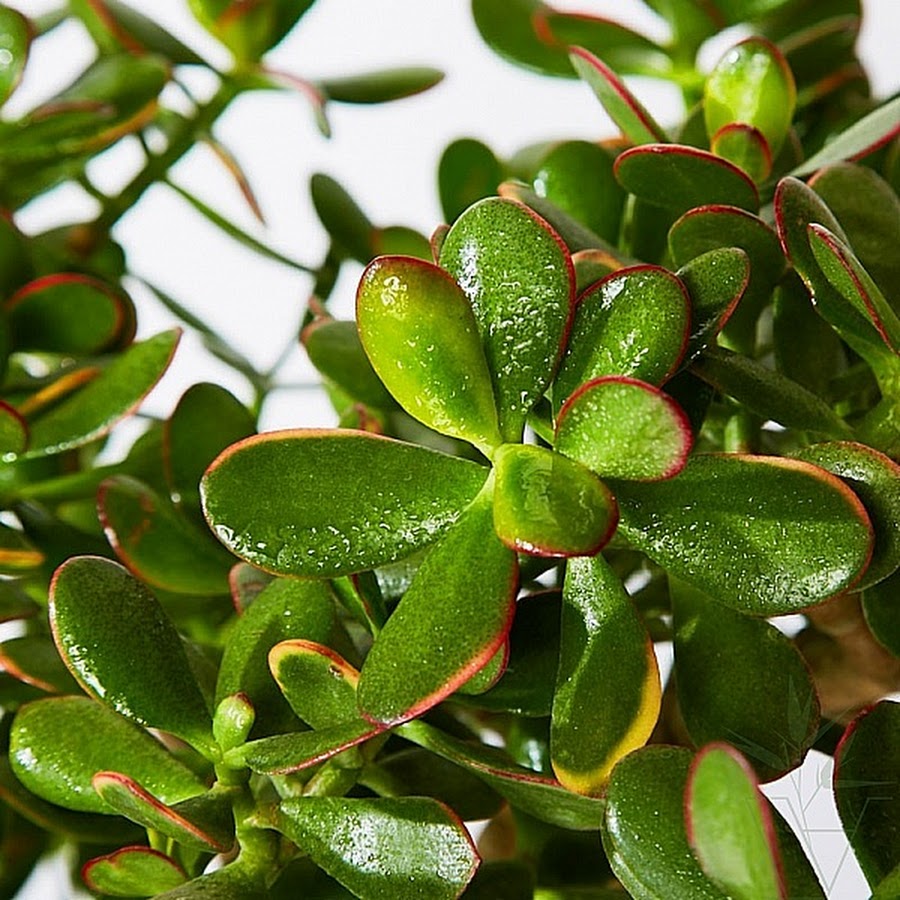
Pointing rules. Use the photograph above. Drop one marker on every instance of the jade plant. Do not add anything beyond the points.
(633, 392)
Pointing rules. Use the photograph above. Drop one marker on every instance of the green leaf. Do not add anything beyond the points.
(422, 338)
(15, 38)
(205, 822)
(159, 544)
(58, 745)
(751, 84)
(643, 829)
(547, 505)
(634, 323)
(13, 432)
(17, 552)
(233, 882)
(875, 130)
(263, 496)
(348, 225)
(538, 795)
(449, 624)
(767, 393)
(518, 277)
(381, 86)
(92, 411)
(632, 119)
(624, 428)
(681, 178)
(889, 888)
(600, 712)
(745, 147)
(882, 612)
(867, 789)
(123, 649)
(467, 172)
(384, 848)
(132, 872)
(763, 535)
(719, 655)
(730, 828)
(319, 683)
(34, 659)
(286, 609)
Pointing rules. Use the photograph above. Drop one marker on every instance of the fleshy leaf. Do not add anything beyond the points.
(186, 823)
(13, 430)
(445, 628)
(681, 178)
(623, 428)
(17, 552)
(381, 86)
(263, 496)
(719, 654)
(468, 171)
(233, 882)
(867, 789)
(422, 338)
(643, 829)
(633, 120)
(763, 535)
(123, 649)
(384, 848)
(634, 322)
(548, 505)
(157, 543)
(600, 712)
(34, 659)
(882, 612)
(744, 147)
(16, 36)
(518, 277)
(730, 828)
(92, 411)
(347, 224)
(132, 872)
(43, 755)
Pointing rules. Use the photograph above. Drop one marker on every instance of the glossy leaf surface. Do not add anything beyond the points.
(133, 872)
(449, 624)
(548, 505)
(92, 411)
(729, 826)
(601, 711)
(719, 655)
(744, 147)
(623, 428)
(518, 277)
(680, 178)
(634, 322)
(16, 36)
(124, 650)
(867, 789)
(262, 498)
(763, 535)
(384, 848)
(232, 882)
(41, 753)
(421, 336)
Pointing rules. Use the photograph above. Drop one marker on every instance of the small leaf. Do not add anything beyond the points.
(623, 428)
(730, 828)
(681, 178)
(867, 789)
(633, 120)
(91, 412)
(763, 535)
(384, 848)
(422, 338)
(381, 86)
(444, 629)
(17, 552)
(262, 497)
(519, 279)
(600, 712)
(34, 659)
(157, 543)
(16, 36)
(547, 505)
(123, 649)
(744, 147)
(633, 323)
(347, 224)
(44, 734)
(468, 171)
(132, 872)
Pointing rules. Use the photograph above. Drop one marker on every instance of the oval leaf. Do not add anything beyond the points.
(132, 872)
(381, 86)
(468, 171)
(16, 36)
(263, 499)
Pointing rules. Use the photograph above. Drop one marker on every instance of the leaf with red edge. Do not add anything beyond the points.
(633, 323)
(452, 620)
(624, 428)
(13, 430)
(730, 828)
(745, 147)
(34, 659)
(518, 276)
(132, 872)
(548, 505)
(680, 178)
(623, 107)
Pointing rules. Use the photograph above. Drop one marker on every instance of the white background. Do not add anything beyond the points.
(386, 156)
